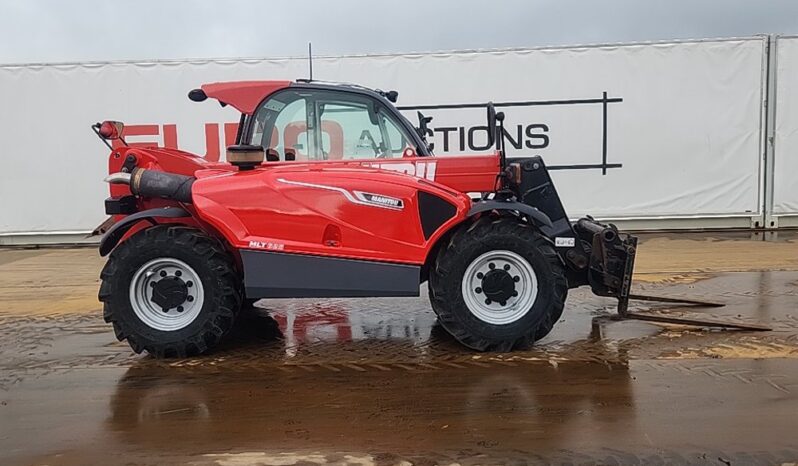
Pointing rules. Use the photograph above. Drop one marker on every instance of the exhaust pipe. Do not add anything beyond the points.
(154, 183)
(118, 178)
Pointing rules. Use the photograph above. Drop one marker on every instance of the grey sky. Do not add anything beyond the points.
(82, 30)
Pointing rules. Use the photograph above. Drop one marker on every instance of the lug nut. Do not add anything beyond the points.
(480, 275)
(179, 308)
(178, 273)
(503, 303)
(478, 290)
(516, 279)
(515, 293)
(506, 266)
(163, 273)
(488, 301)
(491, 266)
(191, 298)
(152, 284)
(189, 284)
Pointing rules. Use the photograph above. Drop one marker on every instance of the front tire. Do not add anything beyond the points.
(497, 285)
(172, 291)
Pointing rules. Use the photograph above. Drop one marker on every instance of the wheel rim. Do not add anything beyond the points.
(499, 287)
(166, 294)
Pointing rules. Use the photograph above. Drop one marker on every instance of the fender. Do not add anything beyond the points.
(116, 232)
(539, 218)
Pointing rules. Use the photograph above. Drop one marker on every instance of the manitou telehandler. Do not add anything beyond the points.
(329, 191)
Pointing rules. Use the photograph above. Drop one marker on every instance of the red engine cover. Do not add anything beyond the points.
(339, 209)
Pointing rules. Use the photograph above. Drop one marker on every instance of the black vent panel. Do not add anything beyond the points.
(434, 212)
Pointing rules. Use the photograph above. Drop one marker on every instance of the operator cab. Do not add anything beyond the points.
(314, 122)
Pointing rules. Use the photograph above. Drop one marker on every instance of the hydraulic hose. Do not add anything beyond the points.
(154, 183)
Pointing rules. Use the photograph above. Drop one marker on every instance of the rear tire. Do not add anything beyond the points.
(172, 291)
(522, 276)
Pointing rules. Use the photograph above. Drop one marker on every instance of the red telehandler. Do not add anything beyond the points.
(330, 192)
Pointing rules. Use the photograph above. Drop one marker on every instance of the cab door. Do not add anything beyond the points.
(327, 125)
(354, 127)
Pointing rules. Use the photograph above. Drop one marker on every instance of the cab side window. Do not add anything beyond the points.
(396, 136)
(349, 130)
(354, 127)
(327, 125)
(281, 127)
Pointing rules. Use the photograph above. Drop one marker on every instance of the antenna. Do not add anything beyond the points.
(310, 60)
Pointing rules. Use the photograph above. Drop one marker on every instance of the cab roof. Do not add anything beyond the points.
(246, 95)
(242, 95)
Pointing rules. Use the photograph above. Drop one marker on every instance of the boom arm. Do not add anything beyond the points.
(596, 254)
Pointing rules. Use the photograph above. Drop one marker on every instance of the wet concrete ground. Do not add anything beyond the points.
(376, 381)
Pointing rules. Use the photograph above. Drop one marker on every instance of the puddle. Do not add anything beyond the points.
(378, 381)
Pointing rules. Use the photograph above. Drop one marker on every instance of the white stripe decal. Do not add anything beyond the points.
(357, 198)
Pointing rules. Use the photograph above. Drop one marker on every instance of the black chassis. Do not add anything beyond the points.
(594, 254)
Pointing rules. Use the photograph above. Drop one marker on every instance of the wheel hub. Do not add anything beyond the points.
(169, 292)
(498, 285)
(166, 294)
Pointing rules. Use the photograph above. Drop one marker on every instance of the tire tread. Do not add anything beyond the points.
(444, 288)
(227, 292)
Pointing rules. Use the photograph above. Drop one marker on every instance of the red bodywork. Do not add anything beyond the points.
(306, 207)
(243, 95)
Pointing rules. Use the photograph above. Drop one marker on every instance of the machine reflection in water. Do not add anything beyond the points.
(436, 413)
(304, 323)
(335, 380)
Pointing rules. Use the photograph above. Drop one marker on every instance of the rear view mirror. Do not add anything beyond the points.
(423, 130)
(491, 124)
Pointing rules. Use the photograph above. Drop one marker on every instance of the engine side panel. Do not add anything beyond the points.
(324, 210)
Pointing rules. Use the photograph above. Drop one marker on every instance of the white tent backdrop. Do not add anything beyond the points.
(785, 181)
(681, 138)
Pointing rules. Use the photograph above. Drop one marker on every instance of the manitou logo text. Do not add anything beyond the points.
(383, 200)
(419, 169)
(379, 200)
